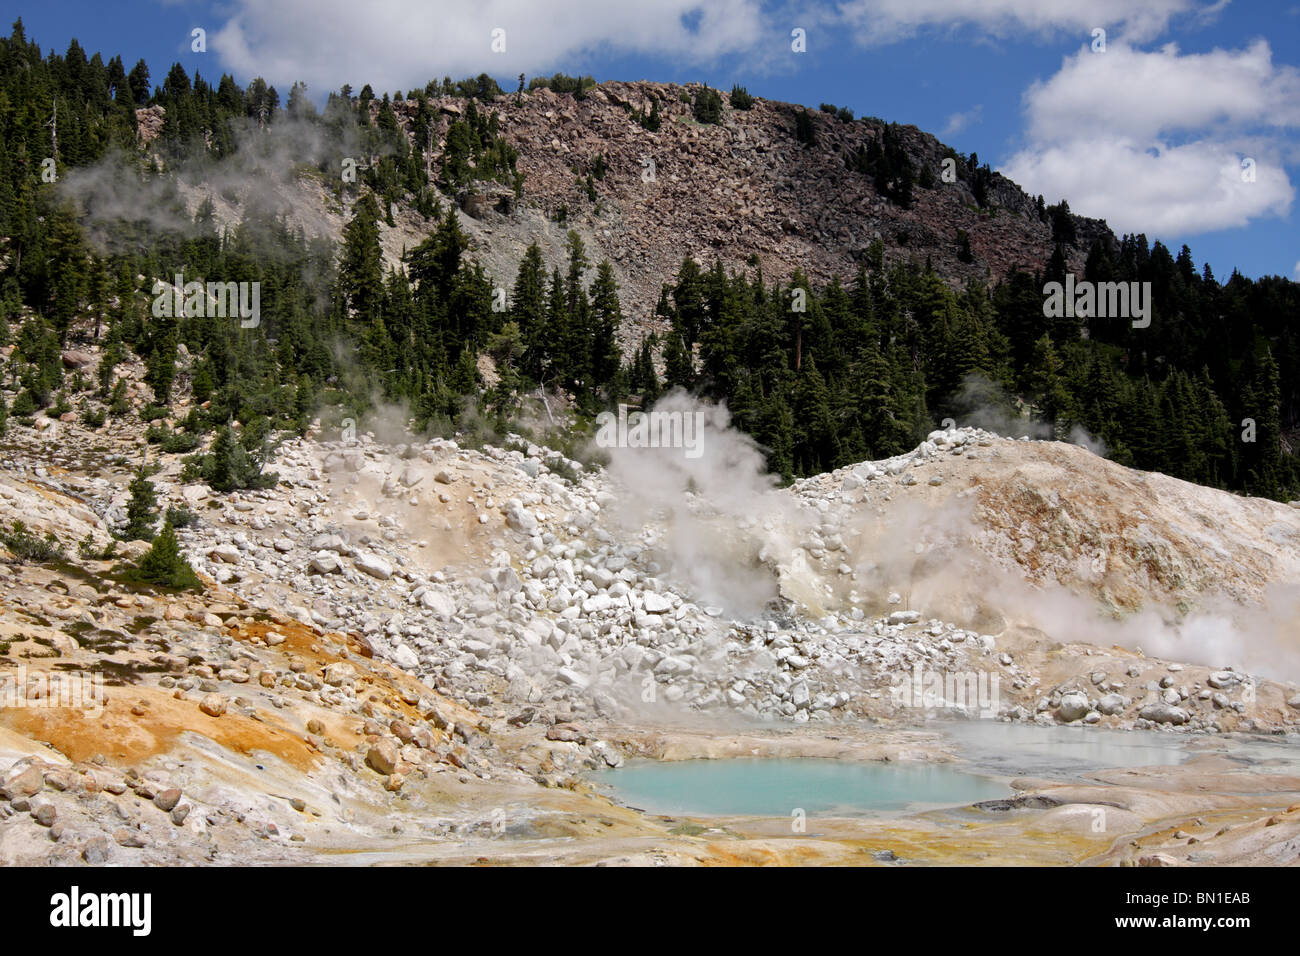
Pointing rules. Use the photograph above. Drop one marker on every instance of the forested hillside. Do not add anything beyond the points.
(821, 373)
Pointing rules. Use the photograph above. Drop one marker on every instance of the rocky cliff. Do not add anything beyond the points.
(744, 190)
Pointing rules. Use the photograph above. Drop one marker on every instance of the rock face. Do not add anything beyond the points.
(149, 123)
(371, 633)
(767, 195)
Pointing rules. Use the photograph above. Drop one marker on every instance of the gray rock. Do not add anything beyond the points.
(128, 838)
(373, 565)
(1111, 704)
(226, 553)
(571, 677)
(1074, 706)
(96, 850)
(1162, 713)
(506, 581)
(440, 603)
(323, 563)
(328, 542)
(655, 603)
(519, 518)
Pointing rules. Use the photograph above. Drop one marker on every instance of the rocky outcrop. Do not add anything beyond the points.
(740, 191)
(149, 123)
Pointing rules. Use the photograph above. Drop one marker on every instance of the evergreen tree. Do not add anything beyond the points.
(164, 566)
(141, 510)
(607, 317)
(360, 266)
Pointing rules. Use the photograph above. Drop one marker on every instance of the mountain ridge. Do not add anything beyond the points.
(750, 162)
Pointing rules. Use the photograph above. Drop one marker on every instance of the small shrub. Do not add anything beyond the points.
(561, 467)
(804, 131)
(181, 517)
(171, 442)
(24, 404)
(650, 122)
(27, 547)
(708, 106)
(164, 566)
(87, 549)
(740, 98)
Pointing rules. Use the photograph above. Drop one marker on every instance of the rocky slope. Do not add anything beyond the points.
(418, 650)
(742, 188)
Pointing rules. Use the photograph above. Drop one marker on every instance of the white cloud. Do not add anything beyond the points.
(1155, 140)
(1144, 94)
(959, 121)
(887, 21)
(393, 44)
(1161, 189)
(1296, 271)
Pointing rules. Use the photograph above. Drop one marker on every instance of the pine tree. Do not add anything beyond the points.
(1045, 380)
(164, 566)
(643, 378)
(361, 276)
(141, 510)
(607, 317)
(160, 358)
(815, 445)
(138, 81)
(678, 371)
(804, 131)
(528, 309)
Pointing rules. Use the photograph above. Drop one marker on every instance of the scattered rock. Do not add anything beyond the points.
(382, 757)
(214, 705)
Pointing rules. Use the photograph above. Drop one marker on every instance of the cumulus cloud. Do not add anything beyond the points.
(1200, 148)
(888, 21)
(1163, 92)
(399, 45)
(1136, 187)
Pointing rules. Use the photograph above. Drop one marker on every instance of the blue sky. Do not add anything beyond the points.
(1149, 133)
